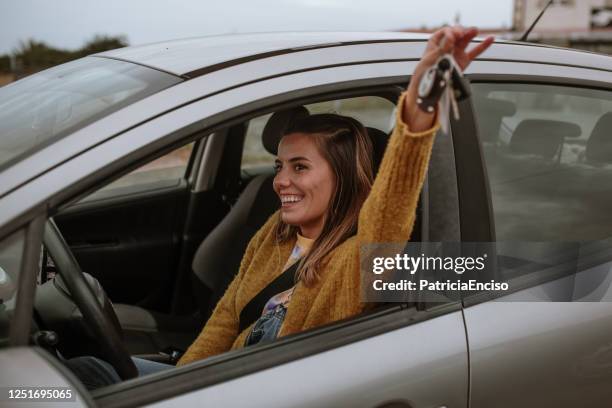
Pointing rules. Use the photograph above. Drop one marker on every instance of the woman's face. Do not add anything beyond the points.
(304, 182)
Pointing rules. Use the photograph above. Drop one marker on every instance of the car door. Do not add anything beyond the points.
(547, 153)
(397, 368)
(398, 355)
(395, 356)
(128, 234)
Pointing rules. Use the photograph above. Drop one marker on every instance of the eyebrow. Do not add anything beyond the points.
(293, 159)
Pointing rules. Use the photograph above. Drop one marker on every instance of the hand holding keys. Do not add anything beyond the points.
(438, 81)
(443, 84)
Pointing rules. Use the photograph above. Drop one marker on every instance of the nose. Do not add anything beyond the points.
(281, 180)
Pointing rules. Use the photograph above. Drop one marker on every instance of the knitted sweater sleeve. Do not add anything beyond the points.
(389, 212)
(221, 329)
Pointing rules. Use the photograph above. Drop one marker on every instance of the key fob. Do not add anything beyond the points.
(432, 85)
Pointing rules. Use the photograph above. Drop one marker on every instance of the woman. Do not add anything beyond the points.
(329, 207)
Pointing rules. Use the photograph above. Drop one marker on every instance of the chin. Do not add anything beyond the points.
(290, 219)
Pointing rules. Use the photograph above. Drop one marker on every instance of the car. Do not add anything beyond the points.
(601, 18)
(143, 172)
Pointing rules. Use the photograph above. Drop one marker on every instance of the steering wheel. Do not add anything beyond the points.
(101, 320)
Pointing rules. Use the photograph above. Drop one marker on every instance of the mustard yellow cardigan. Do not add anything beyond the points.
(387, 215)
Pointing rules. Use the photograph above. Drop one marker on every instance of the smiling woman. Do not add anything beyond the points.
(303, 263)
(326, 176)
(324, 179)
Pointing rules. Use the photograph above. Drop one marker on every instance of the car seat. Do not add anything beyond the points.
(599, 146)
(542, 137)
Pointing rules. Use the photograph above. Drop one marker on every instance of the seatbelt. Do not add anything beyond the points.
(252, 311)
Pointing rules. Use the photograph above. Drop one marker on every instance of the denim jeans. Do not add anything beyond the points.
(266, 328)
(95, 373)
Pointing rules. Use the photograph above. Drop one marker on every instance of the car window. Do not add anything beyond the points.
(548, 155)
(11, 252)
(372, 111)
(166, 171)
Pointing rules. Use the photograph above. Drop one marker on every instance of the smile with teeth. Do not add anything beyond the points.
(290, 199)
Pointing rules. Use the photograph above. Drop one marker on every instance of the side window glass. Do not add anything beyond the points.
(372, 111)
(255, 158)
(548, 152)
(166, 171)
(11, 252)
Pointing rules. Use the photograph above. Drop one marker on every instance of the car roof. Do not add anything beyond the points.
(196, 56)
(193, 57)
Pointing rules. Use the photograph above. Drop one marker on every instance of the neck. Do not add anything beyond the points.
(311, 231)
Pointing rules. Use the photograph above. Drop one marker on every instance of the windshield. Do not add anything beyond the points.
(42, 108)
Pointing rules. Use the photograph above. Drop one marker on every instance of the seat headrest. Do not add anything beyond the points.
(542, 137)
(599, 145)
(499, 106)
(277, 124)
(490, 114)
(379, 144)
(279, 121)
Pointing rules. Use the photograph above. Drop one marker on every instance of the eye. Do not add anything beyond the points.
(300, 167)
(277, 167)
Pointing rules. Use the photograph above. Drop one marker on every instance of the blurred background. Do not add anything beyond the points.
(38, 34)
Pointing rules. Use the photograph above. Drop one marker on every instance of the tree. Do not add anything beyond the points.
(102, 43)
(32, 55)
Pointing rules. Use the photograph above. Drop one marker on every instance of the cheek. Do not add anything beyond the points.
(323, 189)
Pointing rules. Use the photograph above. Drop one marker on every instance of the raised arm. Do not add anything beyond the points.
(389, 212)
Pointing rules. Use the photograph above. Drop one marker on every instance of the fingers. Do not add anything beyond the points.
(448, 42)
(480, 48)
(442, 40)
(436, 36)
(455, 40)
(468, 35)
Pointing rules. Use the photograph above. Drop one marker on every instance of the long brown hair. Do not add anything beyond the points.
(345, 144)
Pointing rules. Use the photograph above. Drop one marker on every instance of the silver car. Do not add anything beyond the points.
(147, 169)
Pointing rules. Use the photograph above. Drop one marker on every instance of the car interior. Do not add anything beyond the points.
(160, 253)
(546, 162)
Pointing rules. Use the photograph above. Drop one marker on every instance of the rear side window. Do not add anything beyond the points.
(372, 111)
(548, 152)
(166, 171)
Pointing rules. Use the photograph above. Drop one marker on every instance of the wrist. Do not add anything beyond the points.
(416, 119)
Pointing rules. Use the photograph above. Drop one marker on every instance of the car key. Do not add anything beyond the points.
(433, 84)
(443, 83)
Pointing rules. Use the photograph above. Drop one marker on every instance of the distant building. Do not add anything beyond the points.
(584, 24)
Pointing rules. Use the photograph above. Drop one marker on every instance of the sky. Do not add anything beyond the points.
(69, 24)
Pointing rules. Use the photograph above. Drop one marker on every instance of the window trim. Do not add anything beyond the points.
(475, 208)
(20, 326)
